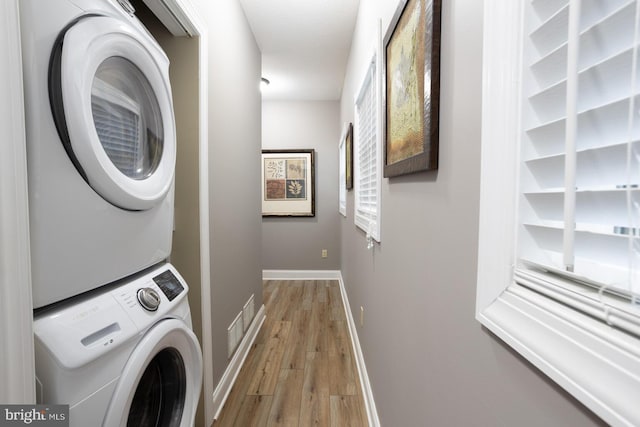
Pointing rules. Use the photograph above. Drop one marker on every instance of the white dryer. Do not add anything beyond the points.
(101, 145)
(124, 357)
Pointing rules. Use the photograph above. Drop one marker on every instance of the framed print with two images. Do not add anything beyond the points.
(288, 183)
(412, 88)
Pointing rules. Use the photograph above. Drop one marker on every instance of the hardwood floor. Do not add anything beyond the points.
(300, 370)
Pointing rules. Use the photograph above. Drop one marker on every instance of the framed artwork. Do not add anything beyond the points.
(412, 88)
(342, 162)
(348, 147)
(288, 183)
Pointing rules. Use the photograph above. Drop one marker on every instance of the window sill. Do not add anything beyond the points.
(589, 359)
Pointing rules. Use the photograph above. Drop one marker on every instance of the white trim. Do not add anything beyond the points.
(585, 356)
(192, 18)
(225, 385)
(367, 392)
(205, 232)
(301, 275)
(498, 162)
(16, 316)
(582, 355)
(377, 232)
(205, 261)
(175, 16)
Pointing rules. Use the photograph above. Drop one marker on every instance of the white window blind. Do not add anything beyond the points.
(118, 121)
(367, 173)
(580, 156)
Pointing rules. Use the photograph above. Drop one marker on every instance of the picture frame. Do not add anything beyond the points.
(342, 171)
(288, 183)
(348, 148)
(411, 88)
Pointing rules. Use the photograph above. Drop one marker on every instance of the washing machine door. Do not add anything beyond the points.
(160, 384)
(111, 100)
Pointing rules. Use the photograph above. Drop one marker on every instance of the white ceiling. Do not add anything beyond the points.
(305, 45)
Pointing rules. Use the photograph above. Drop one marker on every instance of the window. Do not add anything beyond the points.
(579, 175)
(127, 118)
(367, 154)
(559, 242)
(342, 185)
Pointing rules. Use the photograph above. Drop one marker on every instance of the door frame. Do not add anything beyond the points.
(191, 16)
(16, 307)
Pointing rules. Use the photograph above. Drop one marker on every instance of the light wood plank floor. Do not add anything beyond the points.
(300, 370)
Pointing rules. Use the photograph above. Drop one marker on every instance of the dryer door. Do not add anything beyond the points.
(160, 384)
(111, 100)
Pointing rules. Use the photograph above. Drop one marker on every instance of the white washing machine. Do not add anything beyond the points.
(124, 357)
(101, 145)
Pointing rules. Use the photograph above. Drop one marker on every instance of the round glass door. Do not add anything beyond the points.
(160, 396)
(160, 383)
(111, 101)
(127, 117)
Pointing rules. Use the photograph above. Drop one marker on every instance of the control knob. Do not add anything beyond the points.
(148, 299)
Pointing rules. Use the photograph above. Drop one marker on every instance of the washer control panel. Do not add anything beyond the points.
(80, 332)
(152, 295)
(169, 284)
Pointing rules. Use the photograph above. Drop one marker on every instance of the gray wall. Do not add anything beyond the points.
(297, 243)
(234, 168)
(430, 362)
(234, 143)
(185, 254)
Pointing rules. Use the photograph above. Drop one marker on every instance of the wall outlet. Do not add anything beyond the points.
(361, 316)
(325, 253)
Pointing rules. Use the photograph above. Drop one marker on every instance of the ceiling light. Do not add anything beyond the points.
(264, 83)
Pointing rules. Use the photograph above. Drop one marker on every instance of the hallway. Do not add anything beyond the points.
(301, 369)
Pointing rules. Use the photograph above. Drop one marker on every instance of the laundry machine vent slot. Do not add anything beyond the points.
(101, 334)
(248, 312)
(234, 334)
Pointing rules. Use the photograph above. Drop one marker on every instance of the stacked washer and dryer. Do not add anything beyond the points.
(112, 323)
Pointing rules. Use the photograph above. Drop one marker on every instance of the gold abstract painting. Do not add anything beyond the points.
(405, 85)
(412, 88)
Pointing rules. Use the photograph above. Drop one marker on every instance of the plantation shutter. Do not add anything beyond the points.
(579, 219)
(366, 138)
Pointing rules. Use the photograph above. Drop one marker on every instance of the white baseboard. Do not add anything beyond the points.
(301, 275)
(370, 405)
(233, 369)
